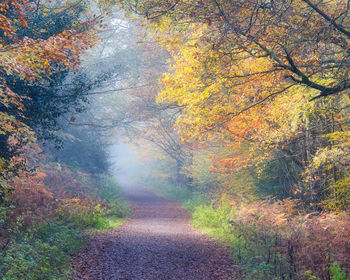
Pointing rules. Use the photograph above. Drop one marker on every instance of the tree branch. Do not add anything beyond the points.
(328, 18)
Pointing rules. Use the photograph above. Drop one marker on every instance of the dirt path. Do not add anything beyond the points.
(157, 242)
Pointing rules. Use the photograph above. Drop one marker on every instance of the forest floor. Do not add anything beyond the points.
(156, 242)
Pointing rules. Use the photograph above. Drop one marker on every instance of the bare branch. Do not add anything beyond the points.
(328, 18)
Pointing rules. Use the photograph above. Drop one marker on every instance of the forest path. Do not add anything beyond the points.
(156, 242)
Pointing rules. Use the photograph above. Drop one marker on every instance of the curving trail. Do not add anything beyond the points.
(156, 243)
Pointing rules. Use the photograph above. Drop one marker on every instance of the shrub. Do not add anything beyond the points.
(337, 273)
(82, 213)
(338, 195)
(72, 203)
(214, 221)
(276, 240)
(108, 189)
(40, 253)
(195, 201)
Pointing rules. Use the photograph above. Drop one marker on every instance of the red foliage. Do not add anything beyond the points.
(32, 201)
(66, 184)
(322, 240)
(312, 241)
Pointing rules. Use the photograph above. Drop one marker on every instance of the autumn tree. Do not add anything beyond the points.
(38, 41)
(144, 118)
(305, 43)
(250, 75)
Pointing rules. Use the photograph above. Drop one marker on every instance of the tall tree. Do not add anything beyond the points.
(306, 43)
(249, 75)
(38, 41)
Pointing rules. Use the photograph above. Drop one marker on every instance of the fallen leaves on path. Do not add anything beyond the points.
(157, 242)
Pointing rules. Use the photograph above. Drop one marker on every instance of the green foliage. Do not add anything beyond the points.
(100, 219)
(310, 276)
(86, 219)
(338, 195)
(337, 273)
(252, 247)
(169, 190)
(112, 222)
(214, 221)
(276, 177)
(119, 209)
(335, 270)
(83, 149)
(199, 170)
(40, 253)
(108, 188)
(195, 201)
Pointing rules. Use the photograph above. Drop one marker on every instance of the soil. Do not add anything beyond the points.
(156, 242)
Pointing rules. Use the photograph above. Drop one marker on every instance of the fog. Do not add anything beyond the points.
(115, 125)
(124, 161)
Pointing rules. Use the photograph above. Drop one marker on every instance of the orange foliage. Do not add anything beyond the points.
(32, 201)
(65, 184)
(39, 195)
(323, 239)
(309, 241)
(7, 24)
(32, 59)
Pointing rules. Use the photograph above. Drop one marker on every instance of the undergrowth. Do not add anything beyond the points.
(167, 190)
(270, 240)
(268, 243)
(41, 252)
(188, 198)
(37, 245)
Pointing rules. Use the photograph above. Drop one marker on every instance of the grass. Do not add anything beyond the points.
(212, 221)
(253, 247)
(183, 194)
(112, 222)
(41, 252)
(167, 190)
